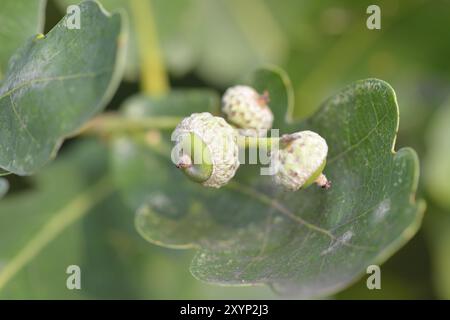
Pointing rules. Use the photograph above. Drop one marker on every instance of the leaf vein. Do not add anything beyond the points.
(352, 147)
(21, 122)
(55, 78)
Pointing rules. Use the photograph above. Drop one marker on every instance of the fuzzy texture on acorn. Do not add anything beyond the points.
(300, 161)
(245, 108)
(211, 140)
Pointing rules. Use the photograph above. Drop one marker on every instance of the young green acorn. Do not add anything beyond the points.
(300, 161)
(245, 108)
(206, 149)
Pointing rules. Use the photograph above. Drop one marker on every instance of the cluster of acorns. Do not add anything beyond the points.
(208, 151)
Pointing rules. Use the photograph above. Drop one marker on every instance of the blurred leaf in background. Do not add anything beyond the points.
(63, 220)
(437, 161)
(19, 20)
(437, 181)
(219, 39)
(323, 45)
(4, 186)
(408, 51)
(437, 227)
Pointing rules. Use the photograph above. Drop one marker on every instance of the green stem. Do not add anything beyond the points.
(111, 123)
(256, 142)
(154, 79)
(72, 212)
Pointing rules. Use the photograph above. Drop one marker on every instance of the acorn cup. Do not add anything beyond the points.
(246, 109)
(206, 149)
(300, 160)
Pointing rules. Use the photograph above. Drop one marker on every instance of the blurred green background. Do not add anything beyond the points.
(323, 46)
